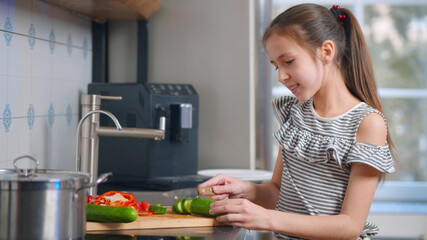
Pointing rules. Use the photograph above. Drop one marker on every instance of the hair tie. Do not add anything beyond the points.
(341, 17)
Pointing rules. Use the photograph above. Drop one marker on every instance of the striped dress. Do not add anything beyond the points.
(317, 154)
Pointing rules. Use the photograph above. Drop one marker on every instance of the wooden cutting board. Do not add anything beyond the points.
(167, 220)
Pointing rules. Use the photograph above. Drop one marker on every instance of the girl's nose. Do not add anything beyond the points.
(283, 76)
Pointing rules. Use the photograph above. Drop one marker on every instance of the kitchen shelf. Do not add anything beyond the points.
(110, 9)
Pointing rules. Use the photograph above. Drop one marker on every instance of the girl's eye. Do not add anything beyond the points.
(289, 62)
(276, 68)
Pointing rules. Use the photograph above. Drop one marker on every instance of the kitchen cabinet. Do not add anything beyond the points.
(110, 9)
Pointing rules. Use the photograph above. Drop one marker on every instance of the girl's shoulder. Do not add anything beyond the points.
(370, 117)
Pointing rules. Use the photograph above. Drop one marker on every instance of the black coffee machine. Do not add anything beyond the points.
(146, 164)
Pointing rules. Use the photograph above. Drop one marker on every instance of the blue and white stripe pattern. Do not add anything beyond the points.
(317, 154)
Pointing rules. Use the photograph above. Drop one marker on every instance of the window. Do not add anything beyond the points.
(396, 33)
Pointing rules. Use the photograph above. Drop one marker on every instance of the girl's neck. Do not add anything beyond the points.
(333, 98)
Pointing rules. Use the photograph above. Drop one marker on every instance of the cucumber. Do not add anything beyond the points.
(186, 205)
(178, 206)
(99, 213)
(201, 206)
(157, 209)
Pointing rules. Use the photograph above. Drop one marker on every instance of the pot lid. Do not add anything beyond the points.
(40, 179)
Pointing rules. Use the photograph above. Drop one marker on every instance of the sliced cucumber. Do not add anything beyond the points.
(157, 209)
(186, 205)
(178, 206)
(99, 213)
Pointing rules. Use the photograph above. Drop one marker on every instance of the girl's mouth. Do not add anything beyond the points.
(294, 88)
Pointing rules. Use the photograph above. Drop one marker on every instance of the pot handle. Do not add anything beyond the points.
(102, 178)
(26, 172)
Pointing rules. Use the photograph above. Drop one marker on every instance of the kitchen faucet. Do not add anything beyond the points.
(87, 154)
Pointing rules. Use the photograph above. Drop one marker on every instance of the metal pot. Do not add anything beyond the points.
(43, 204)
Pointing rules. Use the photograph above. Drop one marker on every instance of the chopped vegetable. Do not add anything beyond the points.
(89, 198)
(146, 213)
(186, 205)
(115, 199)
(157, 209)
(178, 207)
(142, 206)
(100, 213)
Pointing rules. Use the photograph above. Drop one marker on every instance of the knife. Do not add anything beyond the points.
(169, 198)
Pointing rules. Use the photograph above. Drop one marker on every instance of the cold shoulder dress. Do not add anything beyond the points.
(317, 154)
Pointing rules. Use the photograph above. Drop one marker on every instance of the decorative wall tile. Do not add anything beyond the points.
(45, 64)
(8, 27)
(52, 39)
(3, 13)
(62, 24)
(7, 118)
(3, 93)
(30, 116)
(19, 60)
(41, 69)
(19, 93)
(42, 20)
(32, 36)
(4, 55)
(23, 15)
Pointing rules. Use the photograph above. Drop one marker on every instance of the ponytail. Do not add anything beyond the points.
(311, 24)
(358, 71)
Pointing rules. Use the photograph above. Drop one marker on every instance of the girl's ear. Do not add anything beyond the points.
(327, 51)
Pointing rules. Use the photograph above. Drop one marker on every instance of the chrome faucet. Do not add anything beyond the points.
(87, 154)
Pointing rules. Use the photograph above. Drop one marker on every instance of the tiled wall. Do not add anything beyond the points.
(45, 65)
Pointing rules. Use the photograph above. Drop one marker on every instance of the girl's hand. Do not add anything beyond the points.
(241, 213)
(224, 186)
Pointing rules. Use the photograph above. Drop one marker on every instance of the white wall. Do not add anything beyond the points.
(206, 43)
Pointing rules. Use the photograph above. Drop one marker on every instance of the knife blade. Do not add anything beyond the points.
(169, 198)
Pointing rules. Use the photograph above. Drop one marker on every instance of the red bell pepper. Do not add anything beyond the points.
(115, 199)
(143, 206)
(147, 213)
(89, 198)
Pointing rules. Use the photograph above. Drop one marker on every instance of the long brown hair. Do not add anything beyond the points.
(311, 24)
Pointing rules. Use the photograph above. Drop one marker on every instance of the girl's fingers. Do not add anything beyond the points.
(226, 206)
(222, 189)
(219, 197)
(217, 180)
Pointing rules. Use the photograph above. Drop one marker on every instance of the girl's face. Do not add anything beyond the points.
(297, 69)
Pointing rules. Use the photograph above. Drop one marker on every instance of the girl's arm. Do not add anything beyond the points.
(267, 194)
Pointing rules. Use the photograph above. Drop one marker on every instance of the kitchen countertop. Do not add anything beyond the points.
(205, 233)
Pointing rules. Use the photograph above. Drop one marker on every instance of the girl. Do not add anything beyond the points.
(333, 136)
